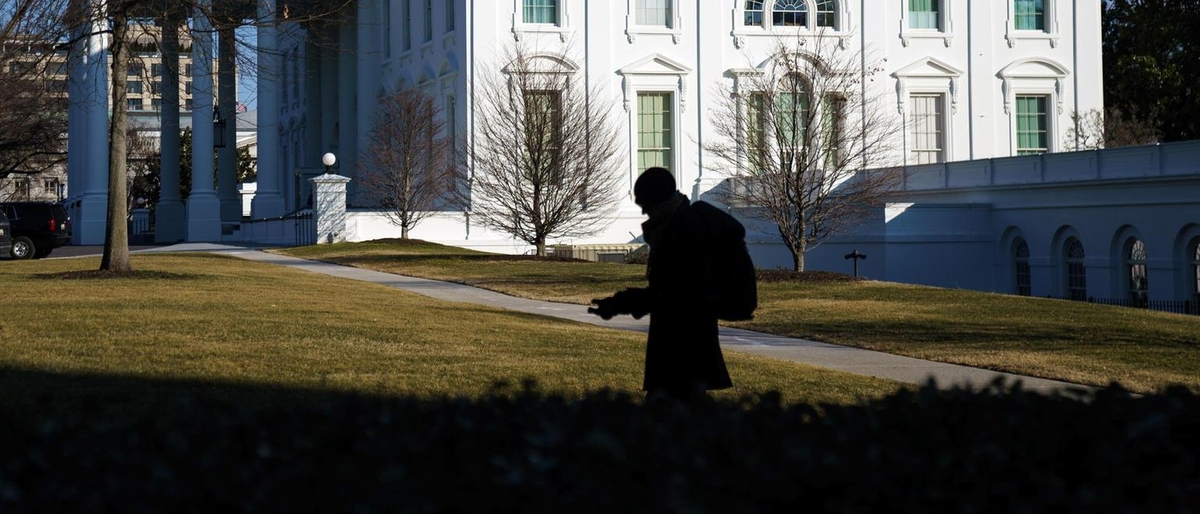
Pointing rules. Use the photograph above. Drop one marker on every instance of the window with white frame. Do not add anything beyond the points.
(833, 114)
(1076, 278)
(1021, 275)
(133, 87)
(1029, 14)
(450, 16)
(655, 142)
(1033, 135)
(925, 14)
(543, 132)
(1135, 271)
(654, 13)
(21, 188)
(927, 119)
(540, 11)
(809, 14)
(826, 13)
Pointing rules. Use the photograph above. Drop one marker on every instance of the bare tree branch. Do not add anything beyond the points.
(805, 149)
(409, 164)
(545, 158)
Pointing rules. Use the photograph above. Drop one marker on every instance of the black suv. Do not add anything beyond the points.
(5, 234)
(37, 228)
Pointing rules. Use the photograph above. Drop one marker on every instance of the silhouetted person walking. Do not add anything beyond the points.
(683, 355)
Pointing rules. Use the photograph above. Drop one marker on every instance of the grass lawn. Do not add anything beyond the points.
(1082, 343)
(204, 319)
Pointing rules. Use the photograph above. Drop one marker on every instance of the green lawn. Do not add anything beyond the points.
(1076, 342)
(217, 320)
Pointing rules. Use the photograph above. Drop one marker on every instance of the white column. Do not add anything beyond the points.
(203, 207)
(348, 97)
(231, 203)
(368, 50)
(268, 201)
(93, 215)
(76, 128)
(169, 219)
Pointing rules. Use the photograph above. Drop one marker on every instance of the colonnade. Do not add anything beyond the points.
(205, 212)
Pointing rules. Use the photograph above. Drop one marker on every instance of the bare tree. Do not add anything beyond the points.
(804, 146)
(544, 157)
(409, 164)
(1114, 128)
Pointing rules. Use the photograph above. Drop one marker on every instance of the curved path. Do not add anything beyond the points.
(841, 358)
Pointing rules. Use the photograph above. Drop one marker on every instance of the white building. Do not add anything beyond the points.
(985, 91)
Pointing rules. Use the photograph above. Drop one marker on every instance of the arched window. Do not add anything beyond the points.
(790, 13)
(1076, 272)
(1021, 267)
(1135, 271)
(754, 12)
(826, 13)
(1194, 252)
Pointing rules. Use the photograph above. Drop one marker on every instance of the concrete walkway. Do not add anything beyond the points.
(841, 358)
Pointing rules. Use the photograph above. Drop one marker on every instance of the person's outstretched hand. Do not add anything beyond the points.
(606, 308)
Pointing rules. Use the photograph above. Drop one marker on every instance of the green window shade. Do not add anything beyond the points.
(541, 11)
(792, 109)
(832, 114)
(655, 135)
(924, 14)
(1032, 125)
(1029, 14)
(655, 13)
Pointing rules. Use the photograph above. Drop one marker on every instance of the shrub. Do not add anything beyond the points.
(997, 450)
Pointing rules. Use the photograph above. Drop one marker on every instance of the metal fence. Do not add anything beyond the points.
(1172, 306)
(306, 230)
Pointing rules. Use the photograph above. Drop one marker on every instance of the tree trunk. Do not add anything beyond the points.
(797, 260)
(541, 246)
(116, 235)
(404, 231)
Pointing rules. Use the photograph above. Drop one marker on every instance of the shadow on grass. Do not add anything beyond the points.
(117, 275)
(86, 443)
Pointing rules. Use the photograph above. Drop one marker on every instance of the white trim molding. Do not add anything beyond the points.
(658, 72)
(1035, 76)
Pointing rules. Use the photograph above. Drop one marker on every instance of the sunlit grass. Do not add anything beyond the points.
(224, 320)
(1076, 342)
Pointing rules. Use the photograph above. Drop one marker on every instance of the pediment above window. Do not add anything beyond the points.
(656, 64)
(928, 67)
(1034, 67)
(543, 63)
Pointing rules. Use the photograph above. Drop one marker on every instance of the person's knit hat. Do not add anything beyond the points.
(654, 186)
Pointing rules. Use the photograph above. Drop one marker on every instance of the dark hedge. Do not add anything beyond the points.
(120, 445)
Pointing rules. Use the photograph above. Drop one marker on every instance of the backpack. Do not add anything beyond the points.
(733, 271)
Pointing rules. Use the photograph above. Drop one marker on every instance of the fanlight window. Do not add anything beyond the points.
(790, 13)
(811, 14)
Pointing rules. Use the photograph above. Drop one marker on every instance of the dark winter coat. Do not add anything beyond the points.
(683, 352)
